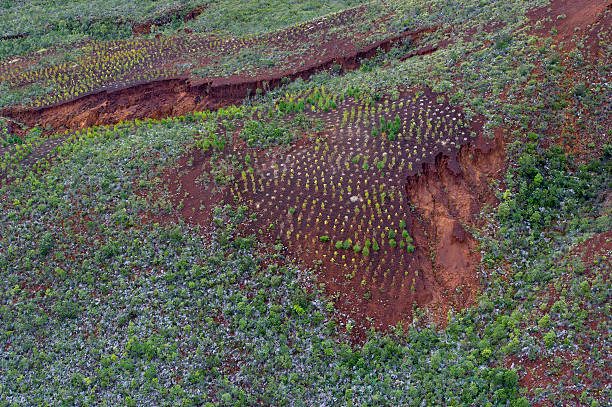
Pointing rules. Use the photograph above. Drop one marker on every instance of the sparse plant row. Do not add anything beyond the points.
(251, 55)
(317, 219)
(14, 150)
(33, 28)
(114, 64)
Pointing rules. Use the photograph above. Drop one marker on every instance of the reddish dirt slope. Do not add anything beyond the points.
(576, 17)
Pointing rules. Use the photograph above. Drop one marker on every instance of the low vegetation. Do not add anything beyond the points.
(255, 254)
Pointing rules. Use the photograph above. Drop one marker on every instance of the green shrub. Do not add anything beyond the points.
(265, 134)
(375, 245)
(46, 244)
(347, 244)
(66, 309)
(549, 338)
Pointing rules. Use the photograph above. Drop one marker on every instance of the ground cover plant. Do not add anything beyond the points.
(422, 222)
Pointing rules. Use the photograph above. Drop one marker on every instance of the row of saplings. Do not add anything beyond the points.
(405, 241)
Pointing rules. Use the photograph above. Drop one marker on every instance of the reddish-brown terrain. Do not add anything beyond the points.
(570, 18)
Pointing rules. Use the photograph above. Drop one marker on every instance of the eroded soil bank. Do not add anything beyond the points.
(446, 198)
(179, 95)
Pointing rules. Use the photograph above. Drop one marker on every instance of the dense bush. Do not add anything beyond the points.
(265, 134)
(543, 189)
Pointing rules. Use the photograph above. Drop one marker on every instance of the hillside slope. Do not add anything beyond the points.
(222, 203)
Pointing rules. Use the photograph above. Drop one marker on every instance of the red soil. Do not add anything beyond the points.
(188, 193)
(426, 50)
(585, 27)
(14, 36)
(582, 18)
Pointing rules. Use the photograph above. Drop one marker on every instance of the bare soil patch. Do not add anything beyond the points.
(587, 18)
(382, 213)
